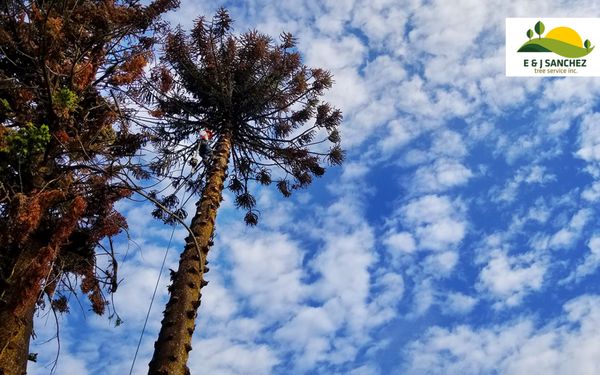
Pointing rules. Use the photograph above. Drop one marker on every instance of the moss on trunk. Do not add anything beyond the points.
(16, 324)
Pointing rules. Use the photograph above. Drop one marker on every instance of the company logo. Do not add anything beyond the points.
(565, 50)
(561, 40)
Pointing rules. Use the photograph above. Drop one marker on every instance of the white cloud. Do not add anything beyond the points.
(307, 332)
(592, 194)
(67, 364)
(390, 290)
(222, 356)
(443, 35)
(589, 141)
(268, 272)
(437, 222)
(528, 175)
(440, 264)
(566, 237)
(510, 278)
(590, 264)
(345, 261)
(334, 54)
(565, 345)
(383, 22)
(424, 296)
(402, 242)
(440, 176)
(459, 303)
(432, 225)
(365, 370)
(400, 132)
(449, 143)
(383, 71)
(217, 302)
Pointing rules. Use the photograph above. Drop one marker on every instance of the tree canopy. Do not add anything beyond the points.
(252, 89)
(64, 136)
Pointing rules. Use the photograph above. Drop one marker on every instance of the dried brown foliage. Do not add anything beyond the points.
(64, 137)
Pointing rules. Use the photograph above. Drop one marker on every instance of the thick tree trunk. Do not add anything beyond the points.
(20, 291)
(174, 341)
(15, 341)
(17, 307)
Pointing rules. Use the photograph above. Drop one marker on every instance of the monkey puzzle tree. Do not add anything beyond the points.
(260, 101)
(63, 139)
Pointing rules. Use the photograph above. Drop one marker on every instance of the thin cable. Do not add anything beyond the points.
(151, 301)
(162, 266)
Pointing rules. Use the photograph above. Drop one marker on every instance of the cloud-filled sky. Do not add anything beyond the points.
(460, 237)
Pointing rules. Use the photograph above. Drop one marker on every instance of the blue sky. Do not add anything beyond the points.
(460, 237)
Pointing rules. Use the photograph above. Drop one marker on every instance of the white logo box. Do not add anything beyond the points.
(550, 64)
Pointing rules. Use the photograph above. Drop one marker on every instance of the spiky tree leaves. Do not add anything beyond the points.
(62, 139)
(271, 126)
(255, 88)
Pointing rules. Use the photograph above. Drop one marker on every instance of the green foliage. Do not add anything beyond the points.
(5, 110)
(65, 100)
(539, 28)
(65, 67)
(529, 34)
(26, 141)
(4, 106)
(587, 44)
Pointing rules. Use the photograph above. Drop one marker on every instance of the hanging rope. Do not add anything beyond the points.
(162, 266)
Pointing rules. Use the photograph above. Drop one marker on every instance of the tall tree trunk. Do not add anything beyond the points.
(21, 289)
(16, 317)
(15, 343)
(174, 340)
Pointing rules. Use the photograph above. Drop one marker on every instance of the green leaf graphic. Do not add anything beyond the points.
(539, 28)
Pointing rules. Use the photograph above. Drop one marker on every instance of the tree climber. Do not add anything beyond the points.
(204, 151)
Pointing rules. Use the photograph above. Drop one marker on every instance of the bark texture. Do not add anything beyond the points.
(175, 338)
(21, 288)
(15, 341)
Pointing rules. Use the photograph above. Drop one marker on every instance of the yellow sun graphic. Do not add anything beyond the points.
(565, 34)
